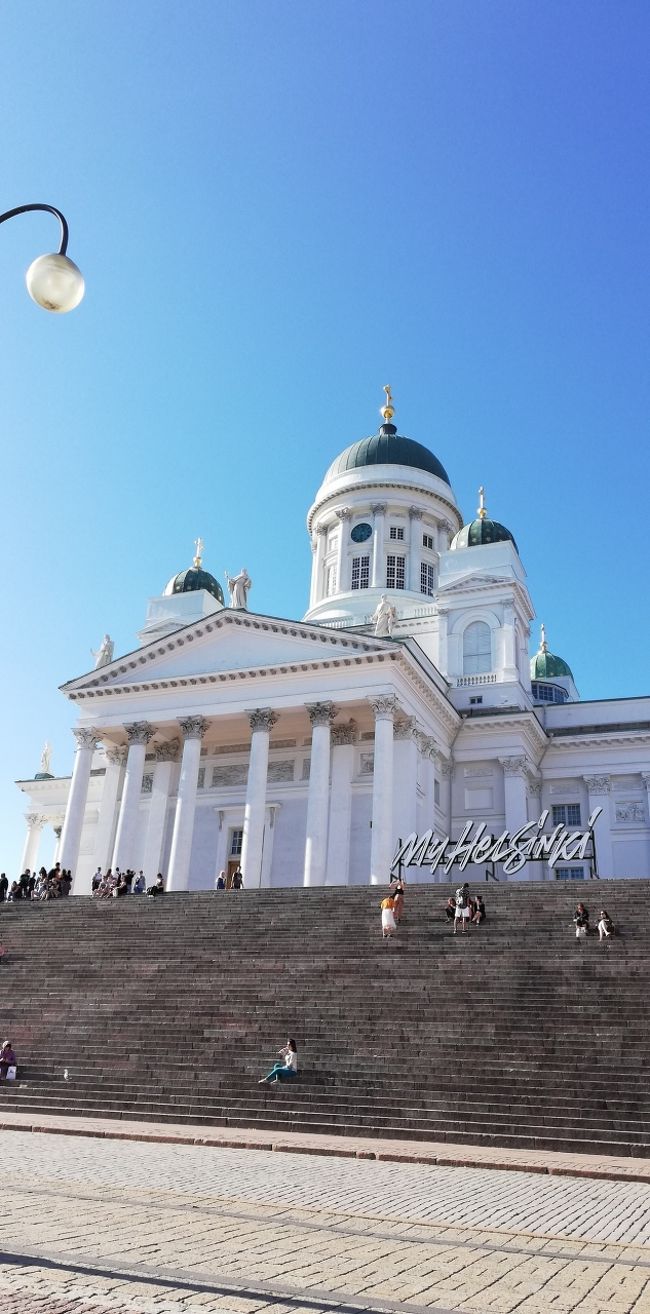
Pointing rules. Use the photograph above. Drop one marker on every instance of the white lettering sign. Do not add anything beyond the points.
(512, 851)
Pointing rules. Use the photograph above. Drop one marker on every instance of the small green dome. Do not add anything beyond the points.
(193, 579)
(480, 532)
(387, 447)
(546, 666)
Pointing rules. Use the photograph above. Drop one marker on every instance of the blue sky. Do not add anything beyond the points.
(279, 207)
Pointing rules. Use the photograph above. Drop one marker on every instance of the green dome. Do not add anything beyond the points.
(387, 447)
(482, 531)
(193, 579)
(546, 666)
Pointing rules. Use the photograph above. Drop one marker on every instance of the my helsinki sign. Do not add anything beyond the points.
(512, 851)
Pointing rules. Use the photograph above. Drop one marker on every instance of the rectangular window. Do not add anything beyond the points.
(427, 541)
(473, 702)
(427, 578)
(236, 841)
(396, 533)
(566, 814)
(569, 874)
(395, 572)
(360, 573)
(330, 581)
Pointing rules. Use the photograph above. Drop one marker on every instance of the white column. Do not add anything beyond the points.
(35, 823)
(446, 782)
(342, 555)
(415, 549)
(194, 728)
(427, 750)
(165, 755)
(598, 788)
(262, 720)
(138, 734)
(509, 671)
(405, 767)
(317, 581)
(443, 641)
(537, 871)
(270, 816)
(344, 738)
(58, 831)
(645, 776)
(107, 820)
(321, 716)
(74, 813)
(516, 801)
(381, 848)
(378, 580)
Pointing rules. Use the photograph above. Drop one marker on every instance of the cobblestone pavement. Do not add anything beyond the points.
(97, 1227)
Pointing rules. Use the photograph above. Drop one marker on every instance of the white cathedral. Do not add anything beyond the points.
(404, 701)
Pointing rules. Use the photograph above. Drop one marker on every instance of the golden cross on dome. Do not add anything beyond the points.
(199, 546)
(480, 510)
(387, 410)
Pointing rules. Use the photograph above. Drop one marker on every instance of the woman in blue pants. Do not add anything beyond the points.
(287, 1068)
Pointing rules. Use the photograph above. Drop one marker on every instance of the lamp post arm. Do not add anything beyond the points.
(51, 209)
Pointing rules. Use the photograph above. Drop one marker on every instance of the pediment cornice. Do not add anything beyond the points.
(112, 675)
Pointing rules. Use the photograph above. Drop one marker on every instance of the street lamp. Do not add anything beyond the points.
(53, 281)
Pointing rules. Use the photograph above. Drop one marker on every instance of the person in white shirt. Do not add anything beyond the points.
(287, 1068)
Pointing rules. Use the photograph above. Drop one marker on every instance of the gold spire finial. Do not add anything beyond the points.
(199, 546)
(481, 509)
(543, 646)
(387, 410)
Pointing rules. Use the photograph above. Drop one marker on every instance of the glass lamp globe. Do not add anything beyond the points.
(55, 283)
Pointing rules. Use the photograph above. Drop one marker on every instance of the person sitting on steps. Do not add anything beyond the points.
(581, 921)
(286, 1069)
(7, 1059)
(450, 909)
(479, 913)
(605, 925)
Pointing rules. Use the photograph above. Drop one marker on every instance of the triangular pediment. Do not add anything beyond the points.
(228, 641)
(477, 580)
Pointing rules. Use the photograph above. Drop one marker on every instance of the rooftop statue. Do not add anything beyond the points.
(104, 654)
(384, 618)
(238, 587)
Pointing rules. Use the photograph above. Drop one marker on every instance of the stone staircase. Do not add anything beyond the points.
(169, 1009)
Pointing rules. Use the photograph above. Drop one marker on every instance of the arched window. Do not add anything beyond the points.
(477, 649)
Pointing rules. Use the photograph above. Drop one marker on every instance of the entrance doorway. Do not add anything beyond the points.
(235, 841)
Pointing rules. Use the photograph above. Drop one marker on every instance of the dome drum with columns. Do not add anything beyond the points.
(405, 700)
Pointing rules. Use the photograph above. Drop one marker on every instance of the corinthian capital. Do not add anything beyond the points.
(405, 728)
(321, 713)
(344, 513)
(193, 727)
(35, 821)
(346, 733)
(139, 732)
(379, 508)
(385, 707)
(167, 752)
(115, 756)
(262, 718)
(513, 766)
(415, 513)
(86, 738)
(597, 784)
